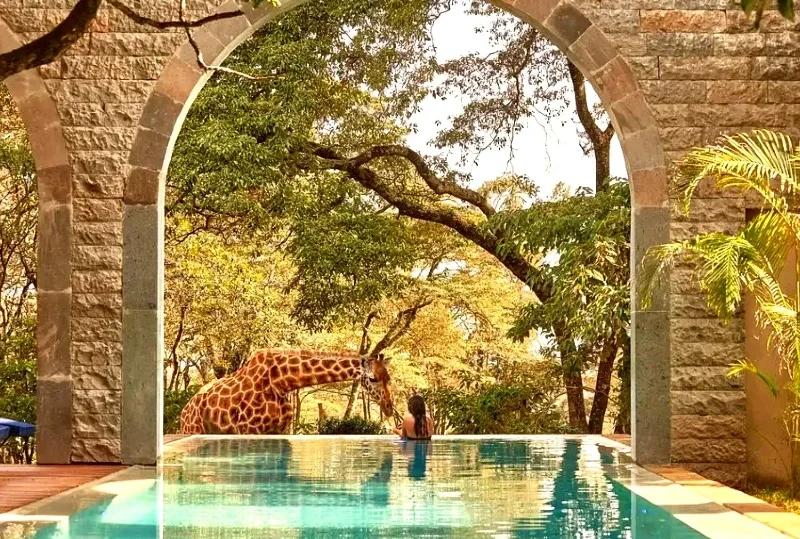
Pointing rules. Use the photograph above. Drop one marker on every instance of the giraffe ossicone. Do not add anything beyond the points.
(254, 399)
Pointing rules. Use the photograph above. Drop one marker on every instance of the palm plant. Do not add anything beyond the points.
(750, 260)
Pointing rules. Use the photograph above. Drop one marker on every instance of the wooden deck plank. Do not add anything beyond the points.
(21, 484)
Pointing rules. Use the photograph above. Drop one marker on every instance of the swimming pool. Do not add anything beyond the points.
(308, 487)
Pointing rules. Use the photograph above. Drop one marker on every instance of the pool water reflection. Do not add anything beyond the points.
(554, 488)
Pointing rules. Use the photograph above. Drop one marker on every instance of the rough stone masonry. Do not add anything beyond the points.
(672, 74)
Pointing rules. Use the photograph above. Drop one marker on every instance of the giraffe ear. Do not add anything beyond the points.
(384, 359)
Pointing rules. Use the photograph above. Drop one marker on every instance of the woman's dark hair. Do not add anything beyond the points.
(416, 407)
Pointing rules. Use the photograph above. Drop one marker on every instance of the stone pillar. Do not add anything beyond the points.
(650, 347)
(54, 292)
(708, 407)
(142, 339)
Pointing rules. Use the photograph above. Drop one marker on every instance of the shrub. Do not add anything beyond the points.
(174, 402)
(352, 426)
(493, 408)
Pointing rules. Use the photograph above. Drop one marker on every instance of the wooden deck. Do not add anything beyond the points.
(21, 484)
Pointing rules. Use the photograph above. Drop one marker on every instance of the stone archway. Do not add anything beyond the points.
(671, 76)
(584, 43)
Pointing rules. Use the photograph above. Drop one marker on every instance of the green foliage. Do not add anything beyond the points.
(352, 426)
(18, 225)
(494, 408)
(583, 242)
(174, 402)
(504, 395)
(347, 262)
(581, 245)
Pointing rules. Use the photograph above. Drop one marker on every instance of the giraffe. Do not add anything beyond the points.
(254, 399)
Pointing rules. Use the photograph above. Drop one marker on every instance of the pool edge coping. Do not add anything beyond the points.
(729, 501)
(730, 498)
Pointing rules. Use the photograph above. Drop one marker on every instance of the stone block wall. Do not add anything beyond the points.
(673, 74)
(706, 72)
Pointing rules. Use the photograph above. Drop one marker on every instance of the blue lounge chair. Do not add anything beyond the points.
(19, 429)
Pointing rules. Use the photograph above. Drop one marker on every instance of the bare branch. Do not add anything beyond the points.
(400, 325)
(600, 139)
(366, 342)
(165, 25)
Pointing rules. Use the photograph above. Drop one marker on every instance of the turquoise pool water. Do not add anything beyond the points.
(552, 488)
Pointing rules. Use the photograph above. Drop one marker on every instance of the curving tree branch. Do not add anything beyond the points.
(51, 45)
(599, 139)
(54, 43)
(166, 25)
(437, 185)
(424, 209)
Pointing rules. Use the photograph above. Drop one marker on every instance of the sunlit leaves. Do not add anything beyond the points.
(582, 243)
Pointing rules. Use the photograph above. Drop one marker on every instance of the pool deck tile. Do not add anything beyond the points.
(749, 506)
(22, 484)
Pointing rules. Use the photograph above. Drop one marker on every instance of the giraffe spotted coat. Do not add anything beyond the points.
(254, 399)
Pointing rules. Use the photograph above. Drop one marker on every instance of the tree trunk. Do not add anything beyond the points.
(623, 422)
(602, 160)
(573, 380)
(351, 400)
(320, 413)
(602, 390)
(187, 380)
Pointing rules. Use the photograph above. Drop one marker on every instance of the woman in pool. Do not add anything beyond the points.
(417, 425)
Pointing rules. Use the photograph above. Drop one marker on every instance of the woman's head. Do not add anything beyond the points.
(416, 407)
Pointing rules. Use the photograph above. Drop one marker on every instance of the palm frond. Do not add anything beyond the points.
(760, 161)
(654, 267)
(748, 367)
(725, 259)
(771, 237)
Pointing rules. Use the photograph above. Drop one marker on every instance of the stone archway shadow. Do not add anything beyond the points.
(180, 82)
(53, 275)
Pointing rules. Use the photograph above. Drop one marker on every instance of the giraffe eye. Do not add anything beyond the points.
(373, 380)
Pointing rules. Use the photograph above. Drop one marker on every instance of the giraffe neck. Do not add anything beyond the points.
(289, 370)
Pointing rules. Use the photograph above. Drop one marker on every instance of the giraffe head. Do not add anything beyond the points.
(375, 381)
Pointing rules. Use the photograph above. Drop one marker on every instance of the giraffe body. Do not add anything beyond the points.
(253, 400)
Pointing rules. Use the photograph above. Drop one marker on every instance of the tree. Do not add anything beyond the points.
(750, 260)
(18, 216)
(334, 108)
(590, 276)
